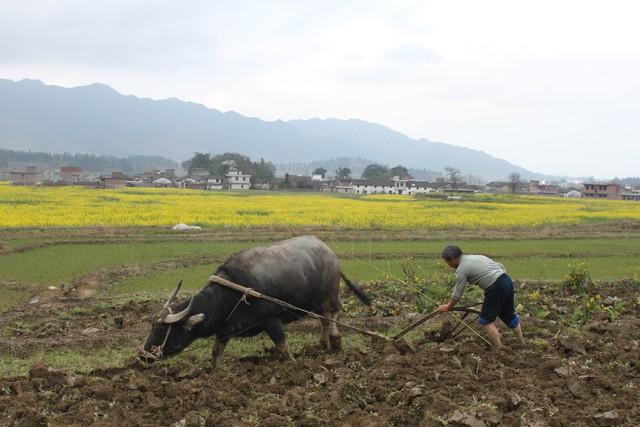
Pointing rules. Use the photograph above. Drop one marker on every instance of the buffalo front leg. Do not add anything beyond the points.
(325, 327)
(218, 349)
(275, 330)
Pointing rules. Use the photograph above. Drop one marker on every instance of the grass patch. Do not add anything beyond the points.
(54, 264)
(11, 298)
(73, 360)
(193, 279)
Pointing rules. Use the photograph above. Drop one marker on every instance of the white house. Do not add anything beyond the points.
(395, 185)
(419, 187)
(236, 180)
(163, 183)
(215, 183)
(367, 186)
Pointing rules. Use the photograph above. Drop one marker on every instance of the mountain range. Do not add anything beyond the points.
(97, 119)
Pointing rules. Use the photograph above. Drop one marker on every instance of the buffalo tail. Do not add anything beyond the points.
(356, 290)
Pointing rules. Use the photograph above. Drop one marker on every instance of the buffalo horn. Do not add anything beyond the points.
(176, 317)
(173, 295)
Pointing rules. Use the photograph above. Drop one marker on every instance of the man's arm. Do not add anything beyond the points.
(461, 282)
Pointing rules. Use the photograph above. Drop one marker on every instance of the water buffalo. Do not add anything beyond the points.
(302, 271)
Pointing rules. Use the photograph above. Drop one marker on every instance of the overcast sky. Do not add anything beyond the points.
(553, 86)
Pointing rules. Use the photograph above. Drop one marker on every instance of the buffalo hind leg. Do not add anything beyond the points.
(335, 340)
(275, 330)
(325, 328)
(218, 349)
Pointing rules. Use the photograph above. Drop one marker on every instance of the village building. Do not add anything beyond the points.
(534, 187)
(215, 183)
(70, 174)
(236, 180)
(115, 180)
(420, 187)
(499, 187)
(609, 191)
(632, 195)
(26, 177)
(336, 187)
(573, 194)
(395, 185)
(195, 182)
(269, 184)
(505, 187)
(368, 186)
(164, 183)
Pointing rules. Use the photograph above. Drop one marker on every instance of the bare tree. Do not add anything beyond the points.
(514, 182)
(453, 176)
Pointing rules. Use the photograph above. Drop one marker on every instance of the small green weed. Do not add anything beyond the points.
(577, 280)
(19, 328)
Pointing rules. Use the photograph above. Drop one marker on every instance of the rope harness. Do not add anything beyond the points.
(243, 298)
(156, 352)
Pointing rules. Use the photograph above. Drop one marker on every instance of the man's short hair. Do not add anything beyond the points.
(451, 252)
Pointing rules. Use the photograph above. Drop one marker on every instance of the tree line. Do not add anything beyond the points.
(88, 162)
(219, 165)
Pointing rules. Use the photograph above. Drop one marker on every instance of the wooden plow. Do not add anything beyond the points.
(397, 340)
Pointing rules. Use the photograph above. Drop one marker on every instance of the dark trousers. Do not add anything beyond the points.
(498, 302)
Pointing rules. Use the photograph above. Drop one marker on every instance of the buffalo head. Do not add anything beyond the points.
(172, 330)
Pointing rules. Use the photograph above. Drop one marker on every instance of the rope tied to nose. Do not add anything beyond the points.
(156, 351)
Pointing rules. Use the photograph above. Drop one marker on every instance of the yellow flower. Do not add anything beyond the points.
(76, 207)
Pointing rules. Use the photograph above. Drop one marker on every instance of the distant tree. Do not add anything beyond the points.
(376, 172)
(198, 161)
(400, 171)
(343, 173)
(453, 177)
(287, 181)
(320, 171)
(221, 163)
(514, 182)
(264, 170)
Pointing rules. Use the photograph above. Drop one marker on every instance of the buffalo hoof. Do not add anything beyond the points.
(336, 344)
(212, 365)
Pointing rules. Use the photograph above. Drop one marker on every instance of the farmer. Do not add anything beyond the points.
(498, 291)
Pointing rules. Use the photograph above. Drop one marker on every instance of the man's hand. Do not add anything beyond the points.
(448, 306)
(443, 308)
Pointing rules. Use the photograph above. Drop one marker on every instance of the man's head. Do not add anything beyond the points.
(451, 255)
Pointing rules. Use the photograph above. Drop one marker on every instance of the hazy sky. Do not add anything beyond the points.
(553, 86)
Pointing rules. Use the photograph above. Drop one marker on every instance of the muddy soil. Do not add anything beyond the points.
(585, 375)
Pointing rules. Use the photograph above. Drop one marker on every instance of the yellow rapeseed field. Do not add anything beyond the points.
(79, 207)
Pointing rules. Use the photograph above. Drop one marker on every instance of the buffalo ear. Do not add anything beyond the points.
(193, 321)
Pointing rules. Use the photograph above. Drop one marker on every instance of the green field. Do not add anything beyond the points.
(161, 264)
